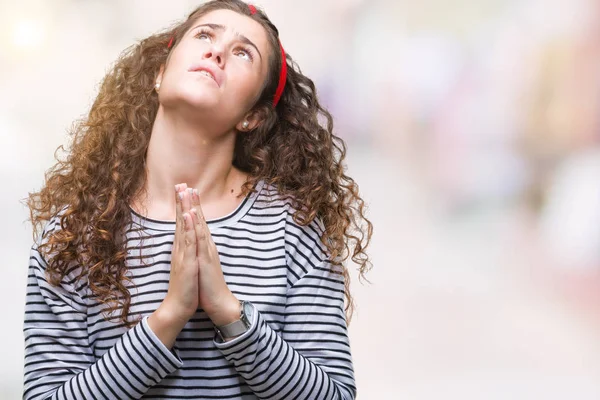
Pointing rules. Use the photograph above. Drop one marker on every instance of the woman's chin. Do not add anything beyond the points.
(196, 102)
(201, 98)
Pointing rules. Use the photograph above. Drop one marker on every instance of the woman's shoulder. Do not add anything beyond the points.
(47, 245)
(271, 201)
(69, 286)
(50, 227)
(303, 245)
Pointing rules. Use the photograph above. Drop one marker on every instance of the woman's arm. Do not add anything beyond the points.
(59, 362)
(311, 358)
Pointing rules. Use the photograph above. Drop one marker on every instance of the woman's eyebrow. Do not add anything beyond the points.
(219, 27)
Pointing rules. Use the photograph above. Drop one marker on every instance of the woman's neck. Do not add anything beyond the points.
(183, 153)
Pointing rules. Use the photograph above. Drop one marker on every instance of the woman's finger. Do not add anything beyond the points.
(189, 253)
(198, 206)
(178, 219)
(201, 228)
(187, 200)
(179, 222)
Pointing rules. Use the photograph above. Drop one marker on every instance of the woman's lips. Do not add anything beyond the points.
(208, 69)
(206, 74)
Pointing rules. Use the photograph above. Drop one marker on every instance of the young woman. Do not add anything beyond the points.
(193, 242)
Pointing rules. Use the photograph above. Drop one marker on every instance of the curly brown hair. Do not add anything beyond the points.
(105, 167)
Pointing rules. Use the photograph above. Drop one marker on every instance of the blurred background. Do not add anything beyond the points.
(473, 130)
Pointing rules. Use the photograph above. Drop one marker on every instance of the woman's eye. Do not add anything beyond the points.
(244, 54)
(203, 35)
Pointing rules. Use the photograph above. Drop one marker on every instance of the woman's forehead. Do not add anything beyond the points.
(236, 23)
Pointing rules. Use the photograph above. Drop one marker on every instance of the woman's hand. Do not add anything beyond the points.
(181, 301)
(214, 296)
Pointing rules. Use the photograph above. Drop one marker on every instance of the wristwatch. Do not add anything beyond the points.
(238, 327)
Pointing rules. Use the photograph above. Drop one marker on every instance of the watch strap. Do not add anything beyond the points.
(234, 328)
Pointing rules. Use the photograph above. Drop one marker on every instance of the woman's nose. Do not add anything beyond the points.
(215, 53)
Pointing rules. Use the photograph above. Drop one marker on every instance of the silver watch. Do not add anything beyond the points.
(238, 327)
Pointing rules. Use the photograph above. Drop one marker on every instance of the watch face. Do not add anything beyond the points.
(247, 308)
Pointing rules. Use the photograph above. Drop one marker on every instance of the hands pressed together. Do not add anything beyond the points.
(196, 278)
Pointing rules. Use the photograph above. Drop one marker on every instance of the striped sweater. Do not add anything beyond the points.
(296, 348)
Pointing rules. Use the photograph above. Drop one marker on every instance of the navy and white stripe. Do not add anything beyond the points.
(296, 348)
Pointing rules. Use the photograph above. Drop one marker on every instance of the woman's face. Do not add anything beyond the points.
(217, 69)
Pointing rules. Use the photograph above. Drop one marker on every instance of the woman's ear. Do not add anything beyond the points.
(159, 77)
(251, 120)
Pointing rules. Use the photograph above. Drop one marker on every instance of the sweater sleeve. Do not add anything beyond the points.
(59, 362)
(310, 358)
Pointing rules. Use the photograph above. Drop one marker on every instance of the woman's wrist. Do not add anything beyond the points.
(227, 312)
(166, 325)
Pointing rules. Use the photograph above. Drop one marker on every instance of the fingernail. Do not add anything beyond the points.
(196, 193)
(180, 195)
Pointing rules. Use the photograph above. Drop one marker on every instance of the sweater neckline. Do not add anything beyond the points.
(227, 220)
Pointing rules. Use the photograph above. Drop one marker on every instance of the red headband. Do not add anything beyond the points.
(282, 77)
(282, 73)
